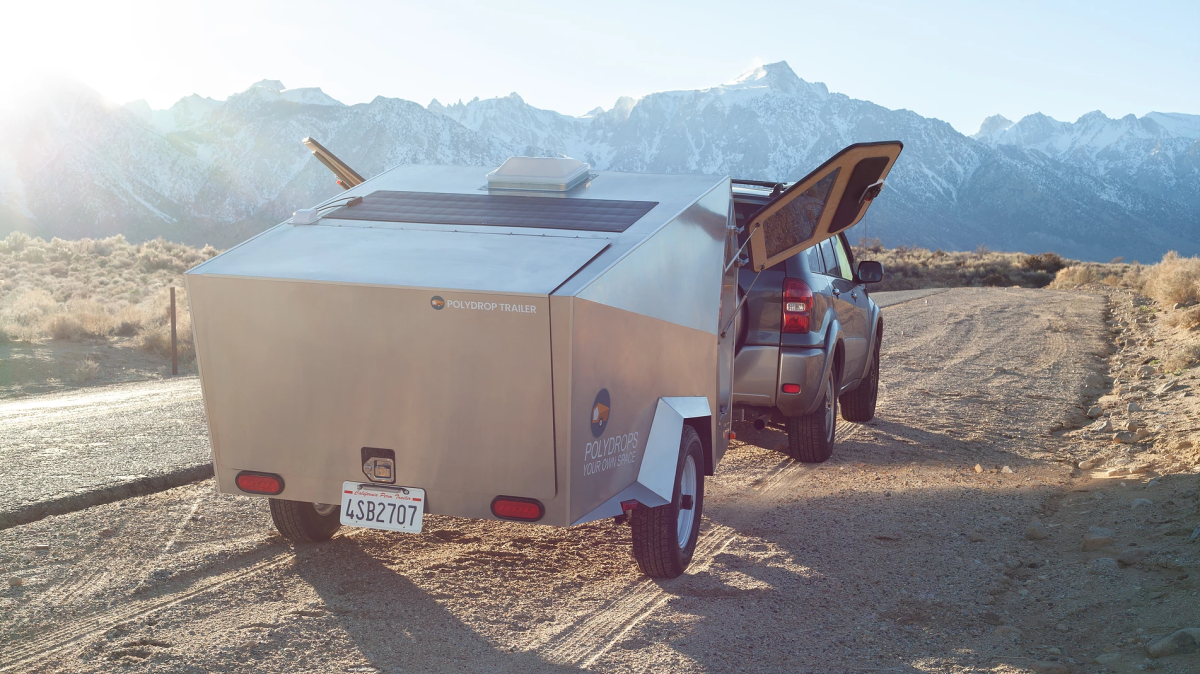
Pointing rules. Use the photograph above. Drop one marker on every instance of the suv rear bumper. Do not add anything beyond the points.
(805, 367)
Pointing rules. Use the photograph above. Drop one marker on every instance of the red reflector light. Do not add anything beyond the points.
(259, 483)
(513, 508)
(791, 388)
(629, 505)
(797, 306)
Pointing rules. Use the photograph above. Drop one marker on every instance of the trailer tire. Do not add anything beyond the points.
(859, 405)
(302, 522)
(810, 436)
(664, 538)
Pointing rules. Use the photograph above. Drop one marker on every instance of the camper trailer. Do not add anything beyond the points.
(537, 342)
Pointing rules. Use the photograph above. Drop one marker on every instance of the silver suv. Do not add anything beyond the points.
(809, 339)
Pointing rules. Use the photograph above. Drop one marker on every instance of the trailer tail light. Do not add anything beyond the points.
(514, 508)
(259, 483)
(791, 388)
(797, 305)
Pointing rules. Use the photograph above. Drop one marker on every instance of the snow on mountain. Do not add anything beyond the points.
(993, 124)
(1177, 123)
(1158, 153)
(947, 190)
(186, 113)
(219, 171)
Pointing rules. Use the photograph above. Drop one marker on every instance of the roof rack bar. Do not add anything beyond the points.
(759, 183)
(776, 187)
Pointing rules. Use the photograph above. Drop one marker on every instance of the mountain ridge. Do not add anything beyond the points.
(206, 171)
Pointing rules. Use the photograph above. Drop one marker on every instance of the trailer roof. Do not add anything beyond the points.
(439, 226)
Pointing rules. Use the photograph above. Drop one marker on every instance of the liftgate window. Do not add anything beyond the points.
(593, 215)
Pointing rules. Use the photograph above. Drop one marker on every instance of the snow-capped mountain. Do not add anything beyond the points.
(218, 171)
(1159, 153)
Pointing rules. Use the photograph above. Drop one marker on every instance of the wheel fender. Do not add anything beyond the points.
(832, 338)
(655, 484)
(876, 328)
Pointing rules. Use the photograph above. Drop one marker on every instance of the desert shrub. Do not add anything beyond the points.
(22, 316)
(100, 287)
(1175, 279)
(156, 326)
(1074, 275)
(15, 242)
(128, 321)
(1188, 319)
(94, 319)
(1183, 356)
(870, 245)
(1047, 262)
(63, 326)
(85, 371)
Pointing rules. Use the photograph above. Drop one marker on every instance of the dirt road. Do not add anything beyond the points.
(896, 555)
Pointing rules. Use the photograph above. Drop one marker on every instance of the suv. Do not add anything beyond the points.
(809, 338)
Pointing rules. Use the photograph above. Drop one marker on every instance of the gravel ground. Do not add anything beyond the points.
(907, 551)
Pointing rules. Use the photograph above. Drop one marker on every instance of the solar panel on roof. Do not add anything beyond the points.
(593, 215)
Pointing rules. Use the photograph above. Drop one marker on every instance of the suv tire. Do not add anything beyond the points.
(303, 522)
(859, 405)
(664, 538)
(810, 436)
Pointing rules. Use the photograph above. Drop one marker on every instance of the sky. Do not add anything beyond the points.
(949, 60)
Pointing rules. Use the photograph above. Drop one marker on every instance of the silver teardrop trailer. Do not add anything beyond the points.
(538, 343)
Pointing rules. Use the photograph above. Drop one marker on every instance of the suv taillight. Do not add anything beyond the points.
(797, 305)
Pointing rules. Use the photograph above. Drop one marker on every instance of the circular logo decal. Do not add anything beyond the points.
(437, 302)
(600, 410)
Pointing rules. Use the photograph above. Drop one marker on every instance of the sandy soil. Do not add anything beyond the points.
(51, 365)
(905, 552)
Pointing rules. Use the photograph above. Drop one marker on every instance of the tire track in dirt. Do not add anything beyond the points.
(583, 642)
(54, 641)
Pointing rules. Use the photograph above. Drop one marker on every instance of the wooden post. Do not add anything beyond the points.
(174, 344)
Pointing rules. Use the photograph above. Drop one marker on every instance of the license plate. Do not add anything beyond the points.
(377, 506)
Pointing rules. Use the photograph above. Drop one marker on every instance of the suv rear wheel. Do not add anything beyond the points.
(810, 436)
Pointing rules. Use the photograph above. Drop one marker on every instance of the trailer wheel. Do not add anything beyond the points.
(859, 405)
(810, 436)
(664, 538)
(303, 522)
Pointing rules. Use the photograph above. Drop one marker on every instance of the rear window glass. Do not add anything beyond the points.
(843, 260)
(831, 266)
(813, 256)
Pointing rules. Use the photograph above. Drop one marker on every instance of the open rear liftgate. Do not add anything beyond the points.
(532, 347)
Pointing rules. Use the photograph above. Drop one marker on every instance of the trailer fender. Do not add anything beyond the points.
(655, 484)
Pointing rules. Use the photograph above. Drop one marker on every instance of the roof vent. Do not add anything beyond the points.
(554, 174)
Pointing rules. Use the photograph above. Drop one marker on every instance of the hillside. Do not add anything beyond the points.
(207, 171)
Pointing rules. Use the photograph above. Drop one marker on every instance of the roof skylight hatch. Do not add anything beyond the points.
(546, 174)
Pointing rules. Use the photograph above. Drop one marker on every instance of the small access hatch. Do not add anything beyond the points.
(830, 199)
(555, 174)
